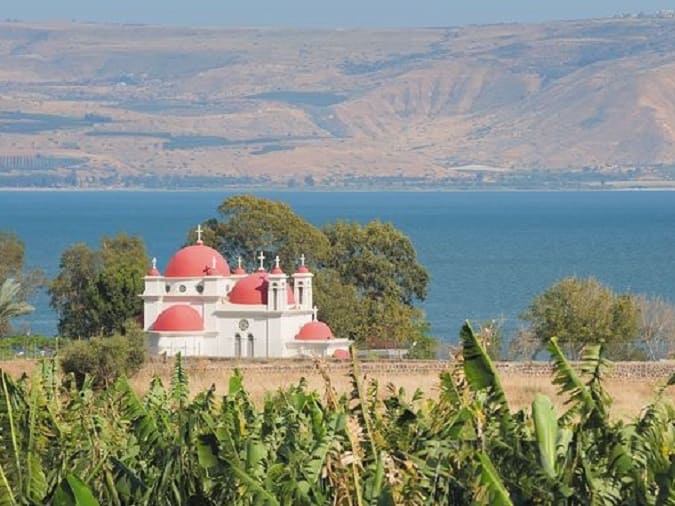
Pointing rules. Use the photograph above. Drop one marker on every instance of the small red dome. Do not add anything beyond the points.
(153, 272)
(239, 271)
(302, 269)
(178, 318)
(342, 354)
(196, 261)
(314, 331)
(277, 270)
(253, 290)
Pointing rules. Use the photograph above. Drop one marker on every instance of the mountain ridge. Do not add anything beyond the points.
(564, 103)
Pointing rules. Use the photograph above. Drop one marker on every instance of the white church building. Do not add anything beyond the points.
(198, 307)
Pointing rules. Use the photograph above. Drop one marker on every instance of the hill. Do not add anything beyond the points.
(565, 104)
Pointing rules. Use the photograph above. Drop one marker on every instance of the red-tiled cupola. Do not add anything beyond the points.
(179, 318)
(196, 261)
(277, 268)
(342, 354)
(253, 290)
(314, 331)
(154, 271)
(239, 270)
(302, 268)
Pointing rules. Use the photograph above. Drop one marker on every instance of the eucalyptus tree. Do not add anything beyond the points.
(96, 290)
(368, 277)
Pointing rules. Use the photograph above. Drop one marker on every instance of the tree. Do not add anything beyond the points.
(12, 252)
(96, 291)
(250, 224)
(657, 326)
(367, 276)
(580, 312)
(378, 259)
(11, 305)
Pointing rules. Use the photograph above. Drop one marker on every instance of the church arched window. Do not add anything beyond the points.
(237, 345)
(251, 344)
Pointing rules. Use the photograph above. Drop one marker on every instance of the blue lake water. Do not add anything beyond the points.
(488, 253)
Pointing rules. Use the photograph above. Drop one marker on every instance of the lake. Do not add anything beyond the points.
(488, 253)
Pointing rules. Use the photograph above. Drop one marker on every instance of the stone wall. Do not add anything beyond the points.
(649, 370)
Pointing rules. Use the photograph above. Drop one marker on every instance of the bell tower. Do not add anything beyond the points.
(302, 286)
(276, 289)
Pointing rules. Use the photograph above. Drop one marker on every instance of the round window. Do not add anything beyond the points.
(200, 288)
(182, 288)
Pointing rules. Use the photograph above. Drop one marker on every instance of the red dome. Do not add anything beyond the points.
(239, 271)
(253, 290)
(302, 269)
(342, 354)
(153, 272)
(196, 261)
(179, 318)
(314, 331)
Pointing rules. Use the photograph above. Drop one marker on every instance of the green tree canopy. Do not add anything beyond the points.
(378, 259)
(367, 276)
(96, 291)
(251, 224)
(12, 259)
(581, 312)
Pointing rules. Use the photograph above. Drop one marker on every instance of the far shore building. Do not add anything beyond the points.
(198, 307)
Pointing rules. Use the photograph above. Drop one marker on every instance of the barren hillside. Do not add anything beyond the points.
(558, 104)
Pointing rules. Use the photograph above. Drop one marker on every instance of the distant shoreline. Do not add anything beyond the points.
(273, 189)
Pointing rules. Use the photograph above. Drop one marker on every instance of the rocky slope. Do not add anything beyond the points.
(568, 103)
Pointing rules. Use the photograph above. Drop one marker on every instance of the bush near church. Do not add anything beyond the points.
(105, 359)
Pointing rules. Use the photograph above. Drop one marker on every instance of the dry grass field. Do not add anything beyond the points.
(630, 395)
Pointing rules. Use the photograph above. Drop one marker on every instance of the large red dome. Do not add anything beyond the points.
(253, 290)
(196, 261)
(178, 318)
(314, 331)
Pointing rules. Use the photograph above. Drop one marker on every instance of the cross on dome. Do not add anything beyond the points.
(261, 259)
(199, 235)
(154, 262)
(315, 312)
(239, 261)
(302, 259)
(276, 261)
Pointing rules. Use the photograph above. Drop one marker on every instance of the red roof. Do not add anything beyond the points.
(178, 318)
(314, 331)
(342, 354)
(302, 269)
(196, 261)
(153, 272)
(253, 290)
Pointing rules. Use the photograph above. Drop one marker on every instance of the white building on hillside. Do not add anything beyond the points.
(199, 308)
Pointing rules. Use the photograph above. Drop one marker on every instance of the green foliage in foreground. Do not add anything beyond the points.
(64, 445)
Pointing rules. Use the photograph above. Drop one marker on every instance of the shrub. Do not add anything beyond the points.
(104, 358)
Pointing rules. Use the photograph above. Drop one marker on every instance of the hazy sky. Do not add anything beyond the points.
(321, 13)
